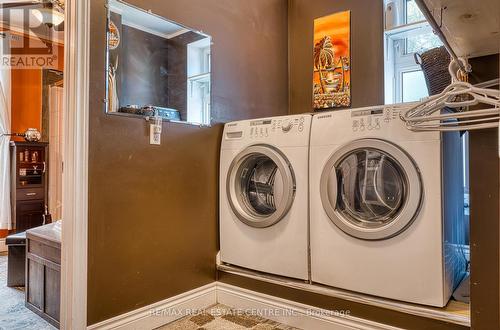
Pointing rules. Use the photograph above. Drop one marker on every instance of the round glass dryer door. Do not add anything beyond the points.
(371, 189)
(260, 186)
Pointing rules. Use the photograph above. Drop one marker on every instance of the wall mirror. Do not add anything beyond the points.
(156, 67)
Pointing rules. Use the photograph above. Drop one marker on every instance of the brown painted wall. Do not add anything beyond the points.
(367, 59)
(153, 209)
(484, 212)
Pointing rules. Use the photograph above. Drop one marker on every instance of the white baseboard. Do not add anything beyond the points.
(3, 247)
(292, 313)
(277, 309)
(162, 312)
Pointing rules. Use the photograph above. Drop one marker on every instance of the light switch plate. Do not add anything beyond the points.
(154, 134)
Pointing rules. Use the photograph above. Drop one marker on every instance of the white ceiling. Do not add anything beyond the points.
(472, 27)
(145, 21)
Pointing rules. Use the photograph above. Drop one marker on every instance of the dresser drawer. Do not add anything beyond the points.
(43, 250)
(30, 194)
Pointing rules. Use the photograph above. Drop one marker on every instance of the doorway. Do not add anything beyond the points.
(31, 157)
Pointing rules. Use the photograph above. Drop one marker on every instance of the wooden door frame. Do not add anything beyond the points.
(75, 174)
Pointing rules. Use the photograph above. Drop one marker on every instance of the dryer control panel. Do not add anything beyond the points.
(380, 122)
(373, 119)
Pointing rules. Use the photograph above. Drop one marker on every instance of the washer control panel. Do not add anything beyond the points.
(266, 127)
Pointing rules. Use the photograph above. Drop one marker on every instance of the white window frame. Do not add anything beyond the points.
(396, 61)
(205, 76)
(402, 63)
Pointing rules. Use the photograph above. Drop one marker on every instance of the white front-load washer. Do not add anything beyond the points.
(264, 195)
(387, 215)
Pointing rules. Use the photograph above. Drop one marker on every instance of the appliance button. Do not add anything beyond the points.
(287, 127)
(361, 125)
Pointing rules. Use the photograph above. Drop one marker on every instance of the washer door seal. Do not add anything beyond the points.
(371, 189)
(260, 185)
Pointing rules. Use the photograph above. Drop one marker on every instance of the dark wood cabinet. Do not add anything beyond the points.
(43, 271)
(29, 183)
(29, 214)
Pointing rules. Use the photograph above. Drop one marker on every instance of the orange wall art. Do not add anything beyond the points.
(332, 61)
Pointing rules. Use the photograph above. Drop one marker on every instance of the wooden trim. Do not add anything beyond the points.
(292, 313)
(435, 313)
(75, 175)
(274, 308)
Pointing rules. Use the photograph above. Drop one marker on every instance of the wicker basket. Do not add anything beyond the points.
(434, 64)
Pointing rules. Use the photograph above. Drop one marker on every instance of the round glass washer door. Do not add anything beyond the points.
(371, 189)
(260, 186)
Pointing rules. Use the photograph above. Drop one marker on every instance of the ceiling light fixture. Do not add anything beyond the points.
(48, 16)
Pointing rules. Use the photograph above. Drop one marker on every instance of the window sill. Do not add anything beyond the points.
(407, 30)
(147, 118)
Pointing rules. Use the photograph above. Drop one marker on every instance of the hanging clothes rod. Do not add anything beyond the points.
(437, 30)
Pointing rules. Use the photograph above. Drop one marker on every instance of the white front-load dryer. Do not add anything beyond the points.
(386, 206)
(264, 195)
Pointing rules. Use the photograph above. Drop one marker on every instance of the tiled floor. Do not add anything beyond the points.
(13, 314)
(220, 317)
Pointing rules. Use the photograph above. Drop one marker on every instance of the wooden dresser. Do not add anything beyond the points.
(29, 183)
(43, 271)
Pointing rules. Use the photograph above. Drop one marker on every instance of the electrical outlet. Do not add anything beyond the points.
(155, 134)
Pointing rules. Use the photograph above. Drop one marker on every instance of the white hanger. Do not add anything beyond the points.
(433, 113)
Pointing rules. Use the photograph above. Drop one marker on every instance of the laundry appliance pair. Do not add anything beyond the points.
(349, 199)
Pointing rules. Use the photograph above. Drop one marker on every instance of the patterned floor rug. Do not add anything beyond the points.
(13, 314)
(220, 317)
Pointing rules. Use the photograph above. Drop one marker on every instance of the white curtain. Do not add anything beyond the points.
(5, 217)
(56, 148)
